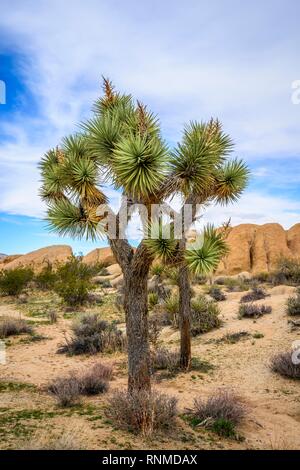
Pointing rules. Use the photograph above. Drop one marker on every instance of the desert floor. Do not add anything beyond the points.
(27, 411)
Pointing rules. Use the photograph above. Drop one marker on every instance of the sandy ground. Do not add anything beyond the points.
(273, 402)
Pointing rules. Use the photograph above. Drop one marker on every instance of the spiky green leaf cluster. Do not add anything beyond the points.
(206, 252)
(160, 241)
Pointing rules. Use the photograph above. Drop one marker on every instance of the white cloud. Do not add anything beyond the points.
(188, 61)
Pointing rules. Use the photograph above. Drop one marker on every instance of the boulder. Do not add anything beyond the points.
(39, 258)
(100, 255)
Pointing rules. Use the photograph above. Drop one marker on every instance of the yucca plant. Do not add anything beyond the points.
(122, 145)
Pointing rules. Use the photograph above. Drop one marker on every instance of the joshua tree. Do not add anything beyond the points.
(122, 145)
(202, 174)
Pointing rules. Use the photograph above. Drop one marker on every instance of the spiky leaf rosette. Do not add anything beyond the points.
(231, 180)
(204, 255)
(203, 148)
(139, 164)
(74, 220)
(160, 242)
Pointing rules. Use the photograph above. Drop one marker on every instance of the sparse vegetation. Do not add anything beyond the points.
(284, 365)
(66, 390)
(253, 310)
(14, 281)
(10, 326)
(293, 304)
(141, 412)
(287, 272)
(257, 293)
(163, 359)
(221, 412)
(171, 306)
(90, 335)
(73, 282)
(46, 278)
(205, 316)
(153, 299)
(216, 293)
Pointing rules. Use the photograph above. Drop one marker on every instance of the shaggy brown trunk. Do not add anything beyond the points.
(136, 310)
(185, 317)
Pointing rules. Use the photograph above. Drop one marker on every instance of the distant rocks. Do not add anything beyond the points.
(38, 259)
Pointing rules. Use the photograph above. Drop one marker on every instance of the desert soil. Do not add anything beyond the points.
(273, 401)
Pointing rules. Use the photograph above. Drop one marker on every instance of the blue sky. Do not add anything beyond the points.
(187, 60)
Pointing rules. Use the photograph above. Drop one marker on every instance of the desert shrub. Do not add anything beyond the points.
(293, 304)
(171, 307)
(199, 279)
(257, 293)
(221, 412)
(154, 329)
(96, 380)
(152, 299)
(74, 282)
(261, 277)
(66, 390)
(163, 359)
(172, 274)
(216, 293)
(253, 310)
(10, 326)
(287, 272)
(52, 316)
(90, 335)
(14, 281)
(46, 279)
(284, 365)
(236, 285)
(205, 316)
(141, 412)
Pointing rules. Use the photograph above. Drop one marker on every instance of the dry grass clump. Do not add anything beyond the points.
(221, 412)
(142, 412)
(69, 440)
(293, 304)
(92, 335)
(68, 390)
(257, 293)
(285, 364)
(163, 359)
(10, 326)
(217, 294)
(254, 311)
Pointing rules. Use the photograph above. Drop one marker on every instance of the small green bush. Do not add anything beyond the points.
(73, 282)
(293, 304)
(171, 307)
(14, 281)
(205, 316)
(287, 272)
(153, 299)
(46, 279)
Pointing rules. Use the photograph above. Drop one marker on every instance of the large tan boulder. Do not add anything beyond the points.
(37, 259)
(293, 239)
(100, 255)
(257, 248)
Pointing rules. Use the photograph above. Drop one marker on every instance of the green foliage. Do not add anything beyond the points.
(153, 299)
(14, 281)
(293, 304)
(224, 428)
(287, 272)
(46, 278)
(205, 316)
(171, 306)
(73, 282)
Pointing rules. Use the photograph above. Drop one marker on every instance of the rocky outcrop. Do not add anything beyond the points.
(37, 259)
(100, 255)
(257, 248)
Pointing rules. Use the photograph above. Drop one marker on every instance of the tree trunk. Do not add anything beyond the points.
(185, 317)
(136, 310)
